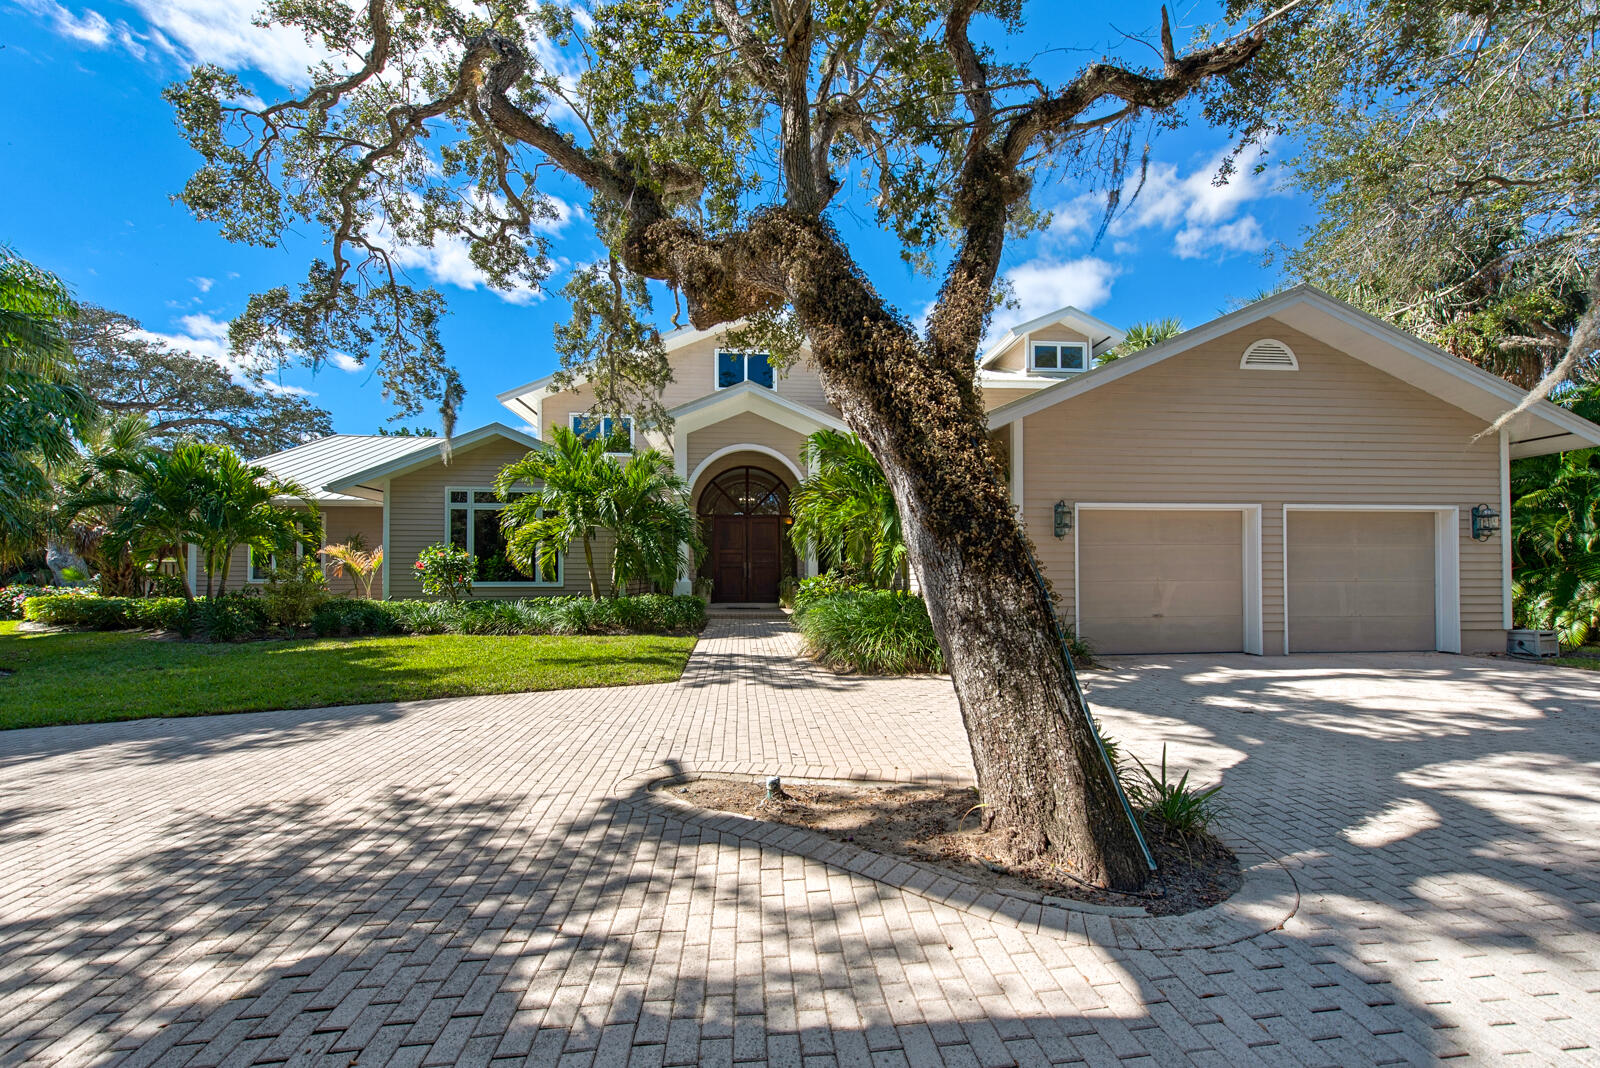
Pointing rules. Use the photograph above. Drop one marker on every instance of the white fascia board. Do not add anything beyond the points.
(1069, 314)
(744, 398)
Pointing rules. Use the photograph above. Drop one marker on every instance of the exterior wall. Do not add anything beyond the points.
(417, 520)
(339, 522)
(995, 396)
(693, 377)
(747, 428)
(1015, 357)
(1197, 429)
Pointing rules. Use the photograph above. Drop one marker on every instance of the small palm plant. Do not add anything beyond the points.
(1185, 810)
(354, 556)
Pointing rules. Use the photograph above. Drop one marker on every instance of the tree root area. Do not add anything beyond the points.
(940, 825)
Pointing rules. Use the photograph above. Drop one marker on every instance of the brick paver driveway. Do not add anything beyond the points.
(465, 882)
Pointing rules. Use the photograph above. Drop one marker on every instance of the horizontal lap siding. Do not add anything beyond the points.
(417, 520)
(1015, 357)
(1196, 428)
(747, 428)
(339, 522)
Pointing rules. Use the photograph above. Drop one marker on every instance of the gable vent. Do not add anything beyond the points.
(1269, 354)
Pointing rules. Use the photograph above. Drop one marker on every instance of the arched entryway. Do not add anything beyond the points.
(745, 514)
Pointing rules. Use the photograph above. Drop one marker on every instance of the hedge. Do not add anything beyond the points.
(875, 632)
(234, 617)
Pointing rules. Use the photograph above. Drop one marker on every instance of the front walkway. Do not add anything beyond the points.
(464, 881)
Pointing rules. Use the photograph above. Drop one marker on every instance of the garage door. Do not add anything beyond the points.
(1360, 581)
(1161, 581)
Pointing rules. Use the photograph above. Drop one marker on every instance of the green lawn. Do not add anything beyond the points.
(86, 677)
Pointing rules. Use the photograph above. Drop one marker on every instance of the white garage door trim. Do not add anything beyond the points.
(1253, 639)
(1446, 565)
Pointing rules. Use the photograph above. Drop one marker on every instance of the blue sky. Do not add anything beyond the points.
(91, 158)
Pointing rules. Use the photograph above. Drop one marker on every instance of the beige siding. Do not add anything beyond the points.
(995, 396)
(1015, 357)
(417, 520)
(694, 376)
(747, 428)
(1197, 429)
(339, 522)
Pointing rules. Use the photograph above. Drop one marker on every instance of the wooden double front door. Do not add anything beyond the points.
(746, 557)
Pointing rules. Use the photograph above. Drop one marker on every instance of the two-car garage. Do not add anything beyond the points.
(1188, 578)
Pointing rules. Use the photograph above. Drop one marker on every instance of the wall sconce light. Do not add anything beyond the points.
(1063, 517)
(1485, 521)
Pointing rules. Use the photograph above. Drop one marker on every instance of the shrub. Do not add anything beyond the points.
(787, 590)
(111, 613)
(446, 571)
(13, 598)
(813, 589)
(1185, 810)
(875, 632)
(293, 593)
(231, 617)
(341, 616)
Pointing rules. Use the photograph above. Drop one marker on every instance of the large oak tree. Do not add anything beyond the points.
(713, 139)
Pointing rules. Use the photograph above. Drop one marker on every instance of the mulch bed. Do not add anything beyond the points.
(939, 825)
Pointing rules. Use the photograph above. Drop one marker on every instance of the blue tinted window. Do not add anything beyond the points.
(730, 369)
(758, 369)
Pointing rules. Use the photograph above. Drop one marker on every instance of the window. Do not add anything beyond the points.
(617, 431)
(1060, 356)
(473, 524)
(256, 569)
(736, 367)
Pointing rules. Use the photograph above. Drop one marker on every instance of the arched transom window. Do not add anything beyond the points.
(745, 491)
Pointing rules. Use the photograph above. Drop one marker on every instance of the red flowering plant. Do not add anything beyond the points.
(446, 571)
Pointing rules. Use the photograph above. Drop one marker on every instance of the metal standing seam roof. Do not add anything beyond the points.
(317, 463)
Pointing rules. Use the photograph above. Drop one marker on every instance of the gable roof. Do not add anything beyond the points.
(1543, 428)
(366, 481)
(749, 397)
(327, 459)
(1101, 334)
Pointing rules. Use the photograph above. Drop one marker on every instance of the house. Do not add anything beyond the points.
(1293, 476)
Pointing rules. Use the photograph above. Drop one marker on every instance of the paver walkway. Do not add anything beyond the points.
(460, 882)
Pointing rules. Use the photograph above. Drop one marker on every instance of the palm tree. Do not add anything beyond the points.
(647, 511)
(362, 562)
(206, 496)
(111, 451)
(573, 477)
(1142, 336)
(844, 508)
(42, 405)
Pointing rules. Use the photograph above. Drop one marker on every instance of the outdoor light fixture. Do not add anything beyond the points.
(1485, 521)
(1063, 516)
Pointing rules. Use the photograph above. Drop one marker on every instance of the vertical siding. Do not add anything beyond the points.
(747, 428)
(417, 520)
(1198, 429)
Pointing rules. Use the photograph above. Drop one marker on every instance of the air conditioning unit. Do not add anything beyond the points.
(1534, 643)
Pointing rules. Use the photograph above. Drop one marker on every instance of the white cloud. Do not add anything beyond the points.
(202, 283)
(345, 362)
(1195, 242)
(1045, 284)
(203, 336)
(448, 260)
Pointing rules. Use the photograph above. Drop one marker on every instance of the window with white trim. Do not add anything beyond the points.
(257, 570)
(615, 431)
(1060, 356)
(736, 367)
(472, 522)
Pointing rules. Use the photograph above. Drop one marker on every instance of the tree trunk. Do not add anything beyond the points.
(588, 558)
(1039, 768)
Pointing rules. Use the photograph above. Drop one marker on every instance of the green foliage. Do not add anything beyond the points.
(1141, 336)
(844, 509)
(293, 592)
(582, 490)
(446, 570)
(648, 614)
(610, 343)
(1452, 155)
(14, 597)
(787, 591)
(875, 632)
(1185, 810)
(231, 617)
(811, 590)
(1079, 648)
(43, 406)
(1555, 532)
(180, 395)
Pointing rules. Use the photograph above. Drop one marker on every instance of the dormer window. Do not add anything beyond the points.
(615, 431)
(736, 367)
(1060, 356)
